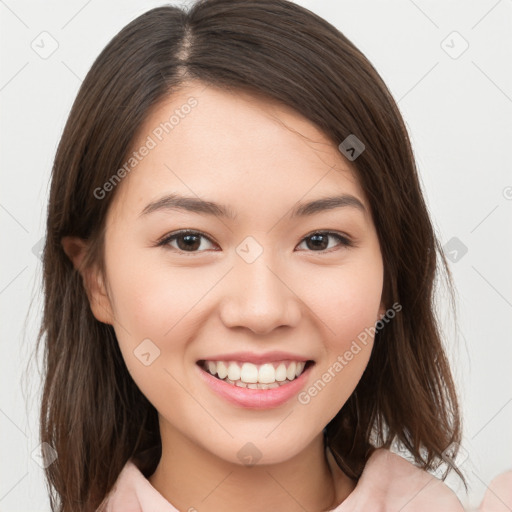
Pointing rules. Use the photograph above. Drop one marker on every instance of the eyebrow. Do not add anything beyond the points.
(201, 206)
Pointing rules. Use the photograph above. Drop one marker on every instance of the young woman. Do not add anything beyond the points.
(238, 276)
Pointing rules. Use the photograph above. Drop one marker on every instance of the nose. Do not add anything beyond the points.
(260, 297)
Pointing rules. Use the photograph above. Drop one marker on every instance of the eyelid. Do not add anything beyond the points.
(328, 232)
(164, 241)
(345, 240)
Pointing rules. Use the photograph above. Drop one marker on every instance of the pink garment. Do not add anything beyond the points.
(389, 483)
(498, 497)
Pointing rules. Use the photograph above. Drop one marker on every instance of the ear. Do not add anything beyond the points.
(75, 249)
(382, 310)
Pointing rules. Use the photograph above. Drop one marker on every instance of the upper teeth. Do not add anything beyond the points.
(251, 374)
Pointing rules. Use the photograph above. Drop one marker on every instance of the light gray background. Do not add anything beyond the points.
(458, 111)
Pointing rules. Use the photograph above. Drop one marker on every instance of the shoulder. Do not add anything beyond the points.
(419, 489)
(389, 482)
(498, 497)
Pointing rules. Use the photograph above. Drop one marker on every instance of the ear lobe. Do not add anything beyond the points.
(382, 310)
(76, 248)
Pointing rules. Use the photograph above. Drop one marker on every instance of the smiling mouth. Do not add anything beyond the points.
(256, 376)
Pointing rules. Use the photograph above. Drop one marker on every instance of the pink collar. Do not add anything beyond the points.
(388, 483)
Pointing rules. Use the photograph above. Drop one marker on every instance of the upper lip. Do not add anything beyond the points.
(251, 357)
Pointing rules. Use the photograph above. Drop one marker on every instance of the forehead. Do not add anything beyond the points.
(235, 148)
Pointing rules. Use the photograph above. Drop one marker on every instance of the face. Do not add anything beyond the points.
(260, 287)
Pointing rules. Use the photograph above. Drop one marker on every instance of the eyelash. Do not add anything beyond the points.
(344, 241)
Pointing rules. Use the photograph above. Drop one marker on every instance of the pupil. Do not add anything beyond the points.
(315, 239)
(189, 246)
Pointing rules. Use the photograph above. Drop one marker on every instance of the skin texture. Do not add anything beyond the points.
(260, 159)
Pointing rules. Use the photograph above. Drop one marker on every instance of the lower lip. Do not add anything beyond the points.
(255, 398)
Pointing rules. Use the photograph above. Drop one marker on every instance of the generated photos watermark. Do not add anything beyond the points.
(151, 142)
(344, 359)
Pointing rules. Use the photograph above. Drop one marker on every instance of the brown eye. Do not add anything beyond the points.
(318, 242)
(192, 241)
(186, 241)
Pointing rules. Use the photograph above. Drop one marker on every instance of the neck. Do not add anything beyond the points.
(192, 478)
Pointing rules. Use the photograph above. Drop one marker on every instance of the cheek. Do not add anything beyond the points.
(347, 299)
(153, 308)
(164, 305)
(153, 300)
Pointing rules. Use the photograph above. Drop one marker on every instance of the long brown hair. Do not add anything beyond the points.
(92, 412)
